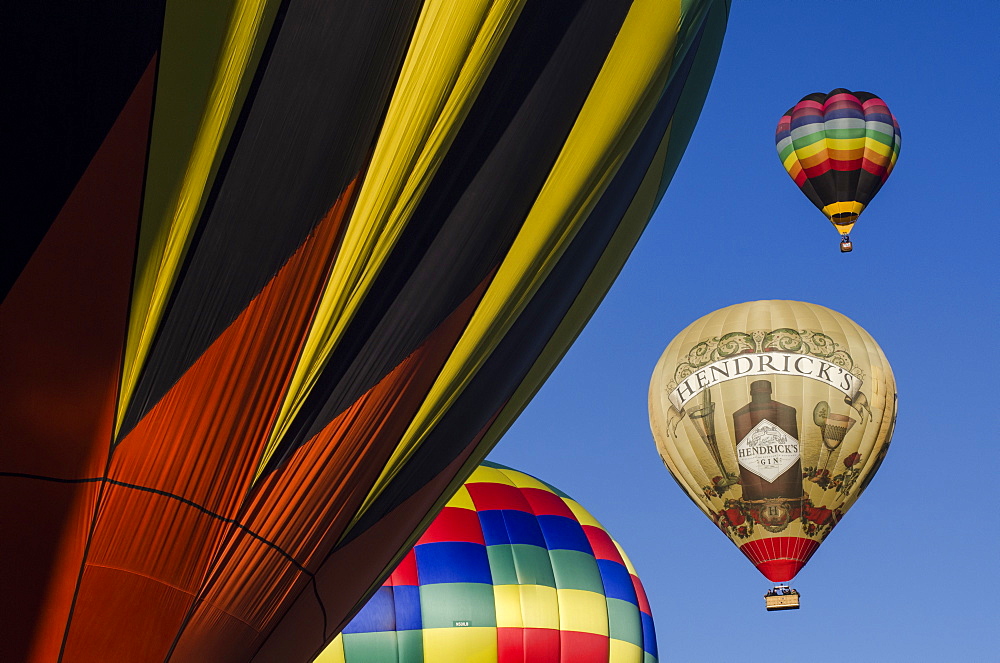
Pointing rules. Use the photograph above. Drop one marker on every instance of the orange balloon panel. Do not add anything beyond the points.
(773, 416)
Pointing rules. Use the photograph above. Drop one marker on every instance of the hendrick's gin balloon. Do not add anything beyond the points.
(773, 417)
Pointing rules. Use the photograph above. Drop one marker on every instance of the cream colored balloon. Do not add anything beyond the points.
(773, 416)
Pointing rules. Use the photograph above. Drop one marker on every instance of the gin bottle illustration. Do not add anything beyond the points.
(769, 455)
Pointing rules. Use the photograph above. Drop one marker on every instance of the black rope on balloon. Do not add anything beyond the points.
(199, 507)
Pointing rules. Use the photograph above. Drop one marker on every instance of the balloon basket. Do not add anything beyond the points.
(845, 244)
(782, 597)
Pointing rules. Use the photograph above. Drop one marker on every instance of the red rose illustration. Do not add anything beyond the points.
(818, 514)
(734, 516)
(851, 460)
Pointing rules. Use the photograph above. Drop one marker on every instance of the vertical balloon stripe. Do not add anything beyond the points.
(689, 98)
(683, 95)
(164, 251)
(616, 110)
(423, 117)
(310, 493)
(524, 583)
(314, 112)
(179, 522)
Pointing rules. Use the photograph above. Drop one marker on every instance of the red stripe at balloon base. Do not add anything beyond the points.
(779, 558)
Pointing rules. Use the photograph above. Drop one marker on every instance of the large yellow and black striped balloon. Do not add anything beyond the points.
(279, 273)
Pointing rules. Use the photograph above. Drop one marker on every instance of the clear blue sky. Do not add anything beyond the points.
(911, 573)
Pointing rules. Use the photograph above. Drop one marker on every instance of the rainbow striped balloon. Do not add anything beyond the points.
(512, 570)
(839, 148)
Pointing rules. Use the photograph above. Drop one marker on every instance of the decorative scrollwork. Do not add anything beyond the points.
(784, 339)
(682, 372)
(842, 359)
(701, 354)
(820, 344)
(735, 343)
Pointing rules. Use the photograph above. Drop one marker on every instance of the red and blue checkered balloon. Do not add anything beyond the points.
(512, 570)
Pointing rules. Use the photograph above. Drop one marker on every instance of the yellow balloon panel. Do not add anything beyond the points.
(773, 416)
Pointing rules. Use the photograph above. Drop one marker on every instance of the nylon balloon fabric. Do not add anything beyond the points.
(773, 416)
(282, 273)
(512, 570)
(839, 148)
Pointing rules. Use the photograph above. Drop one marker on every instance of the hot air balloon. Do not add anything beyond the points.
(280, 274)
(839, 148)
(511, 570)
(773, 416)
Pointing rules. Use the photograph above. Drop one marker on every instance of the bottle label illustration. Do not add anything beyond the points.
(767, 451)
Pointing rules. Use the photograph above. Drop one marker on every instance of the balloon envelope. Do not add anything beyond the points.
(283, 272)
(839, 148)
(511, 570)
(773, 416)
